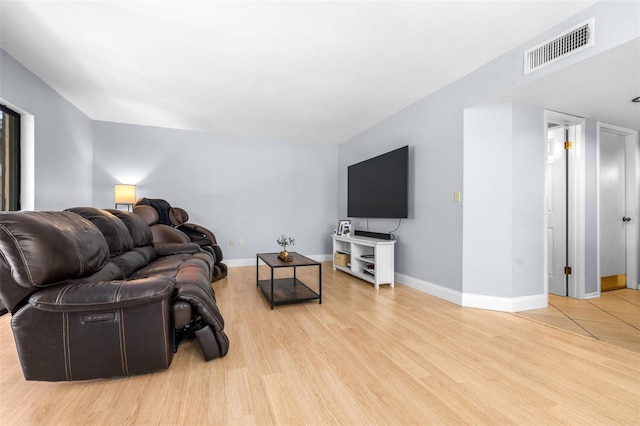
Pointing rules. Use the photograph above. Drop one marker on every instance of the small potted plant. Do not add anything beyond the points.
(285, 241)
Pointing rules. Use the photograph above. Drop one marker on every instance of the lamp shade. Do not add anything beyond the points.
(125, 194)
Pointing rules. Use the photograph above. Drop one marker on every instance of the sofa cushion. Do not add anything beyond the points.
(46, 248)
(170, 265)
(109, 272)
(178, 216)
(113, 229)
(129, 262)
(138, 228)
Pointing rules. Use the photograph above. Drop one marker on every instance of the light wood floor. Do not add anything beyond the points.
(614, 317)
(393, 356)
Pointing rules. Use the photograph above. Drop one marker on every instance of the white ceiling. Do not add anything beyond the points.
(305, 71)
(600, 87)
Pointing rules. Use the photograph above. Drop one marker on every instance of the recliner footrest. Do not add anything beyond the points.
(208, 343)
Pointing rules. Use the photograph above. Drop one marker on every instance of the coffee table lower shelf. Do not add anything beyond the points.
(287, 290)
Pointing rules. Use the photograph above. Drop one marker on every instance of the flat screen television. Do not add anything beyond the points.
(378, 187)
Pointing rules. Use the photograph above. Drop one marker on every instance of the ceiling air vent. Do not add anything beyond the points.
(569, 42)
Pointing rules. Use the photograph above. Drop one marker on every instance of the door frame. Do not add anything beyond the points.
(632, 178)
(576, 208)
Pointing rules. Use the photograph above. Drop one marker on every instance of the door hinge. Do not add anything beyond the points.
(568, 145)
(567, 270)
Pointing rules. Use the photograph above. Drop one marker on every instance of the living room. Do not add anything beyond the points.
(478, 135)
(440, 250)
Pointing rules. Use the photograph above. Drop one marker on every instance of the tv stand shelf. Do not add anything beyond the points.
(372, 259)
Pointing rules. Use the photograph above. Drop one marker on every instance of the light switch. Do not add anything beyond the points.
(456, 197)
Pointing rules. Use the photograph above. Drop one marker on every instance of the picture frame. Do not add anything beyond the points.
(344, 225)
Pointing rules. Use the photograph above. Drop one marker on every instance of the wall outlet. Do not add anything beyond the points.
(241, 241)
(232, 242)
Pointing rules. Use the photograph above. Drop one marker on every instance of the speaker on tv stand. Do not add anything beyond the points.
(378, 235)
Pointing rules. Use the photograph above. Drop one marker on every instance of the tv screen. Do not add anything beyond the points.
(377, 187)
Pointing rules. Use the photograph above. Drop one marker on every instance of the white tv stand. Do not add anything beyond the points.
(371, 259)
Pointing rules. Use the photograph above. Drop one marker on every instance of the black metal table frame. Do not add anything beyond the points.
(309, 293)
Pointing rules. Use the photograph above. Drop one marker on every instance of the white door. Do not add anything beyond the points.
(615, 213)
(556, 211)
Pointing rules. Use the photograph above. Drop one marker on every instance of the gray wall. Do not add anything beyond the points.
(429, 241)
(488, 204)
(503, 244)
(239, 188)
(528, 192)
(591, 184)
(63, 150)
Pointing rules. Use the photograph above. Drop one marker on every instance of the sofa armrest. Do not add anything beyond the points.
(167, 249)
(103, 295)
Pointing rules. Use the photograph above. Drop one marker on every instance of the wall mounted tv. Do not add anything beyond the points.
(378, 187)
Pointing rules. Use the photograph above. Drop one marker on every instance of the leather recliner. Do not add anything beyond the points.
(91, 296)
(178, 218)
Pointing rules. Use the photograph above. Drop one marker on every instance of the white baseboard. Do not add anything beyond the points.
(232, 263)
(505, 304)
(494, 303)
(438, 291)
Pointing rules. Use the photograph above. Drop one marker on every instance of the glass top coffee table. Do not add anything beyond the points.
(281, 291)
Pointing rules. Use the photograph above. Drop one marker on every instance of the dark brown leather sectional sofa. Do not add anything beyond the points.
(92, 296)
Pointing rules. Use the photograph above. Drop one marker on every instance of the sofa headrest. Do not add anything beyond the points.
(114, 230)
(138, 229)
(46, 248)
(161, 206)
(147, 213)
(178, 216)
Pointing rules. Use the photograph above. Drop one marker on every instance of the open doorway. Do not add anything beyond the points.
(617, 207)
(564, 205)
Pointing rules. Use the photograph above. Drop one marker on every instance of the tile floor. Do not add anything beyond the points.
(614, 317)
